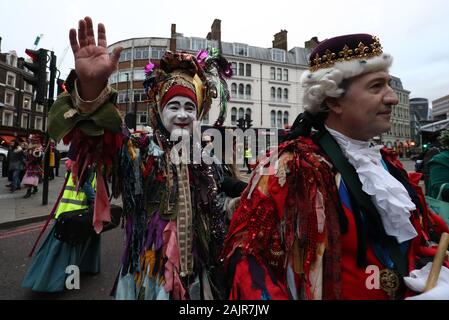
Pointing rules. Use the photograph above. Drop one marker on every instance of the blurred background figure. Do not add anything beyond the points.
(16, 165)
(438, 168)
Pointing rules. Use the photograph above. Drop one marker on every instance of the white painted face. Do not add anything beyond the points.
(178, 115)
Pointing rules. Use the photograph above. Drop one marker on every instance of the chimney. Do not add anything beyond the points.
(311, 44)
(173, 37)
(215, 32)
(280, 40)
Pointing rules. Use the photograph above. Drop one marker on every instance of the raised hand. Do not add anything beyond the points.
(93, 63)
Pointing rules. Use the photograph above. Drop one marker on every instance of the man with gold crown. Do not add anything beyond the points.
(173, 211)
(336, 217)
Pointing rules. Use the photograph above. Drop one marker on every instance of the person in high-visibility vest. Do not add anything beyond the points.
(47, 271)
(248, 155)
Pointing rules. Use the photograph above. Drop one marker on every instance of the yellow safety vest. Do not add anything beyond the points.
(248, 153)
(72, 200)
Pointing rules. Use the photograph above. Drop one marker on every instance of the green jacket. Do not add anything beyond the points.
(438, 172)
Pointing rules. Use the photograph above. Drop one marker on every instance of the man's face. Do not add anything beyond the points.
(178, 115)
(365, 109)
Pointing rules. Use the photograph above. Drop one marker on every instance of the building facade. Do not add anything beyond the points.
(399, 135)
(440, 108)
(19, 115)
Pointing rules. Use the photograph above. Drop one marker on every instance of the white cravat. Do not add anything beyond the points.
(388, 194)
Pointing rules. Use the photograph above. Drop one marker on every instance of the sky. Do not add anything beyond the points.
(413, 31)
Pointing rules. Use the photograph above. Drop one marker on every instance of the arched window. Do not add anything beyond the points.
(233, 115)
(248, 90)
(241, 90)
(241, 113)
(285, 118)
(279, 119)
(234, 89)
(273, 93)
(273, 118)
(279, 96)
(286, 94)
(248, 113)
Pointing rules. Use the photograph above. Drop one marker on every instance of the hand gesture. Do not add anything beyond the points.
(93, 63)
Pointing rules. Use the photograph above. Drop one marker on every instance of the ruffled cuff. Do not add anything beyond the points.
(86, 107)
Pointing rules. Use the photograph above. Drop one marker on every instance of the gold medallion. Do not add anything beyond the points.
(389, 282)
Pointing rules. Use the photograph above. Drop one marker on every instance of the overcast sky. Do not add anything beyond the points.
(415, 32)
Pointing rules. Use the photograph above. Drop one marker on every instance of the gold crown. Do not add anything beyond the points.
(329, 58)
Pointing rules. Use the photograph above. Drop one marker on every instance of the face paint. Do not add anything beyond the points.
(178, 115)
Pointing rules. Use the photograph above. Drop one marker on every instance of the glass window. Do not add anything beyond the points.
(273, 93)
(286, 94)
(27, 87)
(9, 98)
(234, 68)
(197, 44)
(113, 78)
(125, 55)
(38, 123)
(39, 108)
(241, 113)
(279, 119)
(139, 75)
(240, 49)
(11, 79)
(233, 89)
(241, 69)
(285, 74)
(142, 118)
(241, 90)
(279, 96)
(248, 70)
(124, 96)
(141, 53)
(27, 103)
(248, 90)
(278, 55)
(234, 115)
(273, 73)
(8, 118)
(25, 118)
(157, 52)
(248, 113)
(273, 118)
(124, 76)
(279, 75)
(285, 118)
(139, 95)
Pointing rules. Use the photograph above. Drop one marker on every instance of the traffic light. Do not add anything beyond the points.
(39, 69)
(241, 123)
(248, 121)
(60, 86)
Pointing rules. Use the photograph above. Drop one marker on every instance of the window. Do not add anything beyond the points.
(139, 95)
(139, 75)
(273, 118)
(286, 94)
(142, 118)
(248, 113)
(39, 108)
(234, 89)
(278, 55)
(273, 73)
(248, 91)
(241, 113)
(273, 93)
(8, 117)
(279, 74)
(11, 79)
(113, 78)
(124, 76)
(285, 119)
(27, 103)
(234, 68)
(234, 115)
(279, 119)
(124, 96)
(25, 118)
(248, 70)
(141, 53)
(241, 69)
(279, 96)
(285, 74)
(27, 87)
(240, 49)
(197, 44)
(9, 98)
(157, 52)
(241, 90)
(125, 55)
(38, 123)
(12, 60)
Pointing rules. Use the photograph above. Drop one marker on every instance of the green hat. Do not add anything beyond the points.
(106, 117)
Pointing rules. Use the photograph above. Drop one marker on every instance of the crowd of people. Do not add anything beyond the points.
(307, 225)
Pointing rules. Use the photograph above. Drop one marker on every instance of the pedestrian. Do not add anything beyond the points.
(16, 165)
(173, 217)
(33, 165)
(438, 168)
(248, 156)
(331, 208)
(47, 270)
